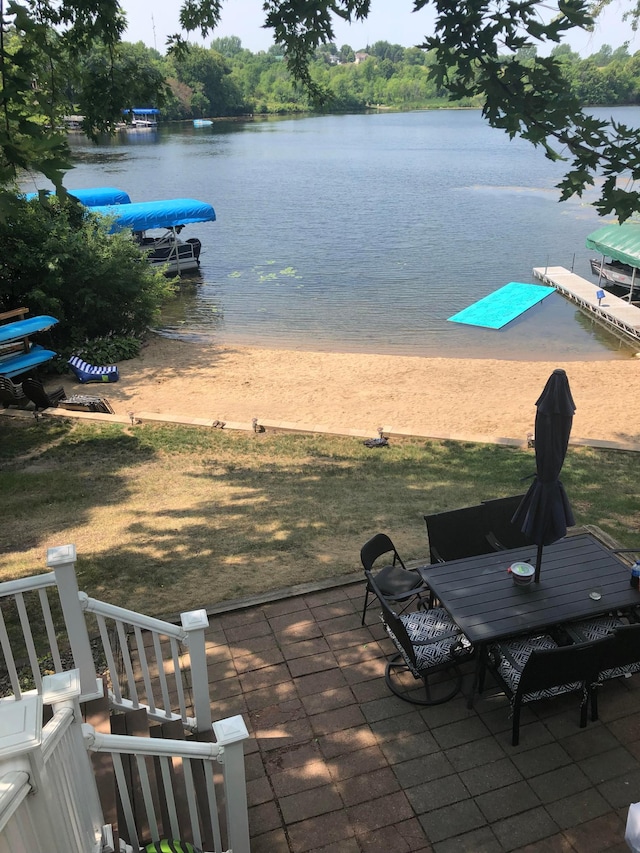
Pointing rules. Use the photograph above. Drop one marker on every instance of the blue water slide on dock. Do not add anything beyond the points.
(95, 196)
(23, 328)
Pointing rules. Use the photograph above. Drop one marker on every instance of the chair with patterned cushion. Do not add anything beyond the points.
(430, 646)
(395, 582)
(532, 668)
(622, 658)
(593, 629)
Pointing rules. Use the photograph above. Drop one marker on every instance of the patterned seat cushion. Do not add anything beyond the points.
(435, 637)
(593, 629)
(514, 655)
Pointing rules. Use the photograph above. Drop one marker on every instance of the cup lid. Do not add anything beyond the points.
(522, 569)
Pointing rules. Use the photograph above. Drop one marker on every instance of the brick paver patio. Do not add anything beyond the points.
(337, 763)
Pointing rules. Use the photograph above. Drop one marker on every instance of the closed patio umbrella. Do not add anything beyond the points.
(545, 511)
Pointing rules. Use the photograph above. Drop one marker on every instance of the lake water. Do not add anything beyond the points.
(363, 232)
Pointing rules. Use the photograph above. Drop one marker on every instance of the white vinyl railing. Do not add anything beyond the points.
(146, 657)
(48, 795)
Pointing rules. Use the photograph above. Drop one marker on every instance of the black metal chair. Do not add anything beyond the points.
(42, 399)
(12, 394)
(430, 646)
(395, 582)
(498, 529)
(457, 533)
(532, 668)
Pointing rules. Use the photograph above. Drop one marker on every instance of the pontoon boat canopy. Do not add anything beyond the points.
(95, 196)
(141, 216)
(620, 242)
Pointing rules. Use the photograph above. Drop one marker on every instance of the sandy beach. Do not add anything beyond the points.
(434, 397)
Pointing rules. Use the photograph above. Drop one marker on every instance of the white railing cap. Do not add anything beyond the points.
(230, 730)
(20, 725)
(61, 554)
(60, 686)
(193, 619)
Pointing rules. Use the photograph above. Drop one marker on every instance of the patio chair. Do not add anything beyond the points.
(622, 658)
(395, 582)
(42, 399)
(457, 533)
(499, 530)
(532, 668)
(430, 646)
(12, 394)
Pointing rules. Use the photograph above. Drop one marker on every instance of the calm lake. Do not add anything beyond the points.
(363, 232)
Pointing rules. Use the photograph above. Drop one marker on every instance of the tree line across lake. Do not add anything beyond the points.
(227, 79)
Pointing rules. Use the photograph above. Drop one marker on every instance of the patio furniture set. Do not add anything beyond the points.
(570, 632)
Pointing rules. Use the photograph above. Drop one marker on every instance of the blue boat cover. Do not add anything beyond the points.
(503, 305)
(95, 196)
(22, 328)
(141, 216)
(143, 111)
(101, 195)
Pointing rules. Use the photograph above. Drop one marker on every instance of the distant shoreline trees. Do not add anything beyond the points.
(228, 80)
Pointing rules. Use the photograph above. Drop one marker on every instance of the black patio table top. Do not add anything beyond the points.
(482, 598)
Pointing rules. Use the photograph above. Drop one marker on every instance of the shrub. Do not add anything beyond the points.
(59, 259)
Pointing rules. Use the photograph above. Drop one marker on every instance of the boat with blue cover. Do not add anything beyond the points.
(167, 250)
(621, 244)
(94, 196)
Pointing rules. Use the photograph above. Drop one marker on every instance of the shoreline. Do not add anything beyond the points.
(417, 395)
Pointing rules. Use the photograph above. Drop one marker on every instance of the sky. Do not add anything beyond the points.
(389, 20)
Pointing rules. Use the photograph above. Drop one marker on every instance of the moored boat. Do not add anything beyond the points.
(167, 249)
(620, 244)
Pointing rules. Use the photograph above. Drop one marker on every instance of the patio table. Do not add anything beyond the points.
(481, 597)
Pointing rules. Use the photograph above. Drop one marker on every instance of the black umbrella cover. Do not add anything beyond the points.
(545, 511)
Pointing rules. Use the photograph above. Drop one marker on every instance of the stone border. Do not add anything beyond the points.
(306, 429)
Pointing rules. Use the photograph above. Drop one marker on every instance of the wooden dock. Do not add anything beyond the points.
(618, 315)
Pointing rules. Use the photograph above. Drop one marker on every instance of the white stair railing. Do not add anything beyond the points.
(198, 761)
(48, 794)
(145, 661)
(49, 797)
(46, 615)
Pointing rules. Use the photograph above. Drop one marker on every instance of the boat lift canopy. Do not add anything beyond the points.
(144, 215)
(95, 196)
(620, 242)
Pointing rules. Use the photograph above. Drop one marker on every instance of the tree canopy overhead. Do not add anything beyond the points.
(483, 48)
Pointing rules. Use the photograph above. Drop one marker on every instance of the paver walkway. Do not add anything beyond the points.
(337, 763)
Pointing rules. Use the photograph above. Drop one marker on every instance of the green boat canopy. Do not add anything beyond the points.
(620, 242)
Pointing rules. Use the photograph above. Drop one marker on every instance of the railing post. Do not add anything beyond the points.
(195, 623)
(62, 560)
(230, 735)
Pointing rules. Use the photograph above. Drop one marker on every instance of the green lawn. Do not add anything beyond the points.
(167, 518)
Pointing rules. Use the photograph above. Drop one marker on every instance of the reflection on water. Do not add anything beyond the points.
(363, 233)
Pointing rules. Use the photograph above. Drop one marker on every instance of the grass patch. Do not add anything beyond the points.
(168, 518)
